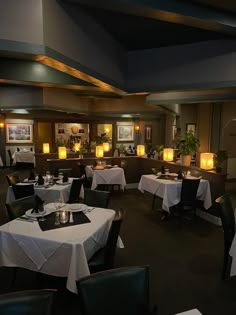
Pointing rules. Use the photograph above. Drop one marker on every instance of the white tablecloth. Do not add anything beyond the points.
(50, 194)
(169, 190)
(110, 176)
(25, 157)
(191, 312)
(232, 253)
(62, 252)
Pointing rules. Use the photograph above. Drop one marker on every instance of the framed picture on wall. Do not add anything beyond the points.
(125, 133)
(148, 134)
(191, 127)
(19, 133)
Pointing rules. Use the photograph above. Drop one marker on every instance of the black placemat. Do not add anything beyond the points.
(49, 223)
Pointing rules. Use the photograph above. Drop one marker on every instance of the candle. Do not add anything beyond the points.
(64, 217)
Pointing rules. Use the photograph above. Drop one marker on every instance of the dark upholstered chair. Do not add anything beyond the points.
(10, 157)
(82, 174)
(65, 171)
(188, 202)
(13, 179)
(75, 190)
(118, 291)
(32, 302)
(104, 258)
(226, 212)
(18, 207)
(21, 191)
(96, 198)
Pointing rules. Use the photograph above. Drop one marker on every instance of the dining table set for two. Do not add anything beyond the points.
(168, 186)
(106, 175)
(48, 187)
(59, 241)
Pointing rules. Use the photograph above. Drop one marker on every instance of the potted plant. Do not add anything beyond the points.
(219, 157)
(122, 149)
(81, 151)
(159, 150)
(93, 146)
(188, 147)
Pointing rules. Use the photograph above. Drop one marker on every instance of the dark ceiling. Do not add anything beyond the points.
(165, 23)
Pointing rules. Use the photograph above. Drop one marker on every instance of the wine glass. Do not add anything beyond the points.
(42, 211)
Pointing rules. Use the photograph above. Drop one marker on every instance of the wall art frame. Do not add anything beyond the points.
(19, 133)
(125, 133)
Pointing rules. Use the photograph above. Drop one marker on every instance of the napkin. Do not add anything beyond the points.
(40, 180)
(65, 179)
(38, 203)
(31, 176)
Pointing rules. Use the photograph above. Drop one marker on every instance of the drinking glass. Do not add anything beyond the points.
(42, 212)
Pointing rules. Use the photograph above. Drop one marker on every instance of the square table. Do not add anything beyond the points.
(62, 252)
(107, 176)
(24, 157)
(169, 190)
(48, 193)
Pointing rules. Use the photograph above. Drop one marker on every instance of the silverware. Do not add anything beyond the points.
(26, 219)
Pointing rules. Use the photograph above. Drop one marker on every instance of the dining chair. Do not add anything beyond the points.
(226, 212)
(13, 179)
(65, 171)
(21, 191)
(82, 174)
(126, 292)
(96, 198)
(37, 302)
(186, 208)
(18, 207)
(10, 157)
(104, 258)
(76, 185)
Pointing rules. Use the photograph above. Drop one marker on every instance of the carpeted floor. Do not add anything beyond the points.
(185, 262)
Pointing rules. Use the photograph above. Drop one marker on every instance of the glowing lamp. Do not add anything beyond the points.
(206, 161)
(168, 154)
(1, 124)
(106, 146)
(99, 151)
(136, 128)
(77, 146)
(46, 148)
(62, 154)
(140, 150)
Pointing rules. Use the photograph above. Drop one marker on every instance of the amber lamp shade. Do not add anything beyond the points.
(168, 154)
(106, 147)
(77, 146)
(99, 151)
(140, 150)
(206, 161)
(46, 148)
(62, 154)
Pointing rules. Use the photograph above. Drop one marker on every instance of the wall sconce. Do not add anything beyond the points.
(106, 146)
(99, 151)
(46, 148)
(62, 154)
(168, 154)
(77, 146)
(1, 124)
(136, 128)
(140, 150)
(206, 161)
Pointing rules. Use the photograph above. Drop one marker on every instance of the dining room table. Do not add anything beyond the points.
(106, 175)
(169, 189)
(49, 193)
(190, 312)
(24, 156)
(57, 248)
